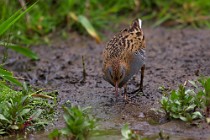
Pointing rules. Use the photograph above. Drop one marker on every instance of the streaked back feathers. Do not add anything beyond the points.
(128, 40)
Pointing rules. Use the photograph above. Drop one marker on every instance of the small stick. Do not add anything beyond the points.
(84, 74)
(36, 94)
(185, 83)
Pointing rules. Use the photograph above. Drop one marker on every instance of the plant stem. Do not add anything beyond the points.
(84, 70)
(23, 5)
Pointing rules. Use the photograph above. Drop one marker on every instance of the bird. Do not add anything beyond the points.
(124, 56)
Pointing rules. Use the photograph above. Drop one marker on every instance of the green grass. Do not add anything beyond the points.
(193, 13)
(48, 16)
(90, 17)
(5, 26)
(22, 111)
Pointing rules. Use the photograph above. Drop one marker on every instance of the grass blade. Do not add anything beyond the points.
(36, 114)
(162, 20)
(14, 18)
(87, 25)
(22, 50)
(8, 76)
(5, 73)
(12, 80)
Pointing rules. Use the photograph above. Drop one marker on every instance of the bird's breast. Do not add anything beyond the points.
(136, 61)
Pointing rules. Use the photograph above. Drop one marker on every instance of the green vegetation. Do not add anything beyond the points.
(90, 16)
(177, 12)
(4, 26)
(128, 134)
(181, 104)
(23, 110)
(79, 124)
(204, 82)
(20, 110)
(188, 104)
(49, 15)
(8, 76)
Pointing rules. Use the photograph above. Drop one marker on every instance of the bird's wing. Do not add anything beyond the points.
(128, 40)
(136, 39)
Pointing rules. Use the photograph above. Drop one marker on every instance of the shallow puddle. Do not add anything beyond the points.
(109, 135)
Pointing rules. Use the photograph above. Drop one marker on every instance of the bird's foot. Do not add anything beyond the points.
(138, 90)
(126, 99)
(115, 100)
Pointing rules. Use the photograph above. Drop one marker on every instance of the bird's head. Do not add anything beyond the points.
(115, 74)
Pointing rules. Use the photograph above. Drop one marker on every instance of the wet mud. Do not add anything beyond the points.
(173, 56)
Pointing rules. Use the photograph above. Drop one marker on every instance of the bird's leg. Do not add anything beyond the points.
(125, 92)
(141, 81)
(142, 78)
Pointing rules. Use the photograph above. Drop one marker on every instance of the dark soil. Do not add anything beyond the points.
(173, 56)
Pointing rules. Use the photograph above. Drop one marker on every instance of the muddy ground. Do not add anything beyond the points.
(173, 56)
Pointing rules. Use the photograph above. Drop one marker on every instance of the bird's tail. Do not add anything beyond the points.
(136, 25)
(140, 22)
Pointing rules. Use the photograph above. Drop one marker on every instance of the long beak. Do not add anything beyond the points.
(116, 88)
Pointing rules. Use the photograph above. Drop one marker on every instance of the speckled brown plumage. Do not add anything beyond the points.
(130, 40)
(124, 55)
